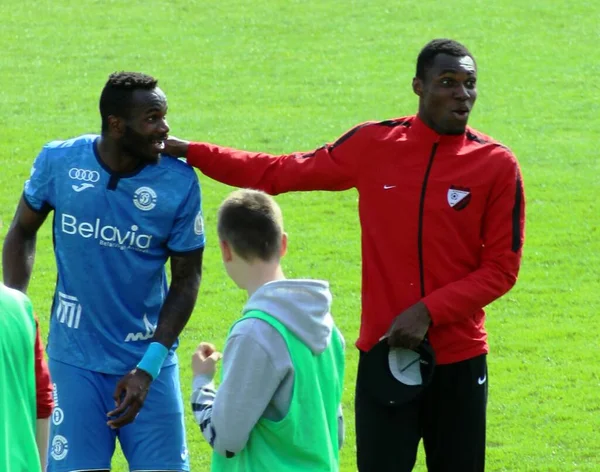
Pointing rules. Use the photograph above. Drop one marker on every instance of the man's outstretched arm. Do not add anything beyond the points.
(332, 167)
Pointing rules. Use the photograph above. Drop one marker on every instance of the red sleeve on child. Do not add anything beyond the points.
(43, 385)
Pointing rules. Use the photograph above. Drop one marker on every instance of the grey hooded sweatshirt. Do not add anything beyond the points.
(258, 375)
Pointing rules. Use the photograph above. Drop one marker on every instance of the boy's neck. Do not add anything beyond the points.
(261, 273)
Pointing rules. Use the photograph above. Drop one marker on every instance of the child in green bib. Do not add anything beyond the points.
(18, 449)
(278, 406)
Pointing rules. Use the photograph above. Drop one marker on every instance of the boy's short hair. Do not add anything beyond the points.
(250, 221)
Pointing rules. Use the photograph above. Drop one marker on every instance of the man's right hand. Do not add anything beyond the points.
(410, 327)
(176, 147)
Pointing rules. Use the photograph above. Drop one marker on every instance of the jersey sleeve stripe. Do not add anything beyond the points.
(387, 123)
(516, 216)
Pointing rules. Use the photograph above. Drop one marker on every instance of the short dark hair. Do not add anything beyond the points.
(251, 222)
(116, 95)
(435, 47)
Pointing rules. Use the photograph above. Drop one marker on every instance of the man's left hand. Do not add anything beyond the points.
(129, 396)
(410, 327)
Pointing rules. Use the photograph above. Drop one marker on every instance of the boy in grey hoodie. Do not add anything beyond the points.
(278, 406)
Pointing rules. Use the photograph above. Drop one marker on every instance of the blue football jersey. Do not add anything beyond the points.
(113, 234)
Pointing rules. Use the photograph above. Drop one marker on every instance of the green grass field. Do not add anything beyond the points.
(283, 76)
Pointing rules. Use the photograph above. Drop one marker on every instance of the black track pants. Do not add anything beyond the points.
(450, 417)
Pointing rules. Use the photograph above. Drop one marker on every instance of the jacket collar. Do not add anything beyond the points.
(425, 133)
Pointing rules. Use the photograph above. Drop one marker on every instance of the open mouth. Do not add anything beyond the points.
(461, 113)
(158, 144)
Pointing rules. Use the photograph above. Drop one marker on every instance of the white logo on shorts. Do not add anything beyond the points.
(57, 416)
(60, 448)
(55, 394)
(199, 224)
(144, 198)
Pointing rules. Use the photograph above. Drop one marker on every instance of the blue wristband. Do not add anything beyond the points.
(153, 359)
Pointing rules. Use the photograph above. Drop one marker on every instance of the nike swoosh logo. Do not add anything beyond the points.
(481, 380)
(81, 187)
(387, 187)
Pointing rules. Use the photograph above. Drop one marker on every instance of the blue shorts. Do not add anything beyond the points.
(81, 440)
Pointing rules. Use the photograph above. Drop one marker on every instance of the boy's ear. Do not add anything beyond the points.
(284, 242)
(226, 252)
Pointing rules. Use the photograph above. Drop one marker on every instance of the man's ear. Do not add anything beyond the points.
(116, 126)
(226, 252)
(417, 86)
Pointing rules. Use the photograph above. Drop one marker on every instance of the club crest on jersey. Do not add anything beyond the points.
(458, 197)
(144, 198)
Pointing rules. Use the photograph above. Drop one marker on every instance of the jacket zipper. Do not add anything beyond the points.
(421, 210)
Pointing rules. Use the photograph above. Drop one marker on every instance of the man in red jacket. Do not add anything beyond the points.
(442, 218)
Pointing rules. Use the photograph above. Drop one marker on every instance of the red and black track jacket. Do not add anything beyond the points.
(442, 219)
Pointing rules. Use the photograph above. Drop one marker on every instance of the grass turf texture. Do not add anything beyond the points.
(283, 76)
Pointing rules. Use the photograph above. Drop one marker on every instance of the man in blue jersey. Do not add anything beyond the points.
(120, 211)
